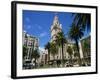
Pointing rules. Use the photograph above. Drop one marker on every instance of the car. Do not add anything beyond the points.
(27, 64)
(76, 65)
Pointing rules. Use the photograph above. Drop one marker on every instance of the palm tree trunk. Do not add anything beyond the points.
(54, 60)
(35, 62)
(62, 54)
(79, 61)
(48, 57)
(71, 62)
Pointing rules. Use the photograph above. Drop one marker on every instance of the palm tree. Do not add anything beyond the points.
(75, 34)
(53, 49)
(35, 55)
(86, 46)
(60, 39)
(84, 20)
(76, 54)
(24, 54)
(70, 52)
(86, 50)
(47, 46)
(24, 51)
(75, 51)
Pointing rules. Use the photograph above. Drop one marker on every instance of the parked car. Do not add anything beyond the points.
(67, 64)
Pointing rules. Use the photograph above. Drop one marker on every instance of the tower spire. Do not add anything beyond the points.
(55, 18)
(55, 27)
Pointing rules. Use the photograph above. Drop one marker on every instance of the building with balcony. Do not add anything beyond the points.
(30, 43)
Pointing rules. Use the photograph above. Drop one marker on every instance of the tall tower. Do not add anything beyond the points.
(55, 28)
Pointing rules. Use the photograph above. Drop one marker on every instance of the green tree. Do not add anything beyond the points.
(86, 50)
(75, 34)
(24, 51)
(86, 46)
(84, 20)
(75, 51)
(47, 46)
(70, 52)
(35, 55)
(60, 39)
(53, 49)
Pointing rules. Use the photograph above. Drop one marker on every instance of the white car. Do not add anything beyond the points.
(76, 65)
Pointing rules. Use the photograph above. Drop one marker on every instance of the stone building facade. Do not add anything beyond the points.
(31, 43)
(46, 58)
(56, 28)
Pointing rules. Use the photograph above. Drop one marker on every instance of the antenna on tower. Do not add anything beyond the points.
(56, 17)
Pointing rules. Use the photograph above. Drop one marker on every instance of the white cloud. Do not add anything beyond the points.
(41, 50)
(43, 34)
(39, 27)
(27, 19)
(28, 26)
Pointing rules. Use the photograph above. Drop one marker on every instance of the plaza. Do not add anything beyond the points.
(57, 53)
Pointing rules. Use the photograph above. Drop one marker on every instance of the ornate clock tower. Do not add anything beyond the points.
(55, 28)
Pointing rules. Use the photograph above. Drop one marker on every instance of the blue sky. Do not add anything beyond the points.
(38, 23)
